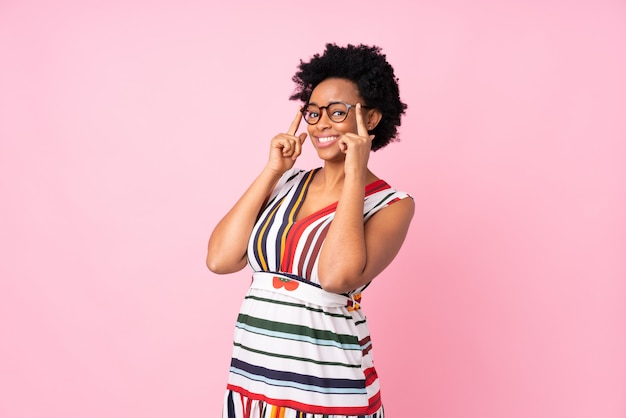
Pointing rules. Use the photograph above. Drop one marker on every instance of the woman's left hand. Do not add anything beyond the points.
(357, 146)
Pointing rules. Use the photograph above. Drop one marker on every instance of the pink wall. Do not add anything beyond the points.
(125, 134)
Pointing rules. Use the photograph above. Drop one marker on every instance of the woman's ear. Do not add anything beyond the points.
(372, 118)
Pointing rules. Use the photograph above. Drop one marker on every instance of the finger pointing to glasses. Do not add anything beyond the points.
(357, 146)
(286, 148)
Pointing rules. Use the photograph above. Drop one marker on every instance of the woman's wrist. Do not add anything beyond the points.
(272, 172)
(356, 175)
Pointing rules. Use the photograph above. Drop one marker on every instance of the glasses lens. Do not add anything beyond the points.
(338, 112)
(311, 114)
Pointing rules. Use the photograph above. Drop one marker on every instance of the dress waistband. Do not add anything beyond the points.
(300, 289)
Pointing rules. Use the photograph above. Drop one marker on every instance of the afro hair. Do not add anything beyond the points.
(367, 67)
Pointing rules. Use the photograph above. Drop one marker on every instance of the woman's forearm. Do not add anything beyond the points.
(344, 256)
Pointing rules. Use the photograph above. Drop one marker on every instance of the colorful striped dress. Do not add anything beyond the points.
(300, 351)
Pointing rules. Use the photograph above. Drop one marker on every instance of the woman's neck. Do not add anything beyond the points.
(332, 176)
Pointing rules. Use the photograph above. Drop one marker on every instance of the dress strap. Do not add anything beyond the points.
(302, 290)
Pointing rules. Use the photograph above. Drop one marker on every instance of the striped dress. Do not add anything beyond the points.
(300, 351)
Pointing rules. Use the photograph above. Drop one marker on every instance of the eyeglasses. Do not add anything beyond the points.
(336, 111)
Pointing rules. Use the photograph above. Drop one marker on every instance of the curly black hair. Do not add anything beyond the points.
(368, 68)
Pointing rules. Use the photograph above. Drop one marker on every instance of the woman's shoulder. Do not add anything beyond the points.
(381, 189)
(289, 179)
(293, 175)
(379, 194)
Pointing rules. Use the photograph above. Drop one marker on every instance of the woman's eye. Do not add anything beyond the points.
(313, 115)
(338, 113)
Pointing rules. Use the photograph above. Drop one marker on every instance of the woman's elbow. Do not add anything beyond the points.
(336, 284)
(341, 277)
(211, 259)
(218, 266)
(213, 265)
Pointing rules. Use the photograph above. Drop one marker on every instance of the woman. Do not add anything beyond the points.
(315, 240)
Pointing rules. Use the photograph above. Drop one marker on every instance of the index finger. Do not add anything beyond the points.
(296, 123)
(360, 125)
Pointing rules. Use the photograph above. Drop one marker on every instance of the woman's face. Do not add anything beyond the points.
(325, 133)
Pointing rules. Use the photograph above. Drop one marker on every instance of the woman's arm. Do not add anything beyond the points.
(229, 241)
(353, 252)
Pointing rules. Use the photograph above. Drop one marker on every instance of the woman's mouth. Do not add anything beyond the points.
(323, 140)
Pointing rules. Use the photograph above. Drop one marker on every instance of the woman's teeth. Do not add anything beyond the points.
(327, 139)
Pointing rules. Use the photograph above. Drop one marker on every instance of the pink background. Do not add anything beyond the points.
(128, 128)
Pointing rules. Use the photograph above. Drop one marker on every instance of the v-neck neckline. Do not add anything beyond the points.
(369, 189)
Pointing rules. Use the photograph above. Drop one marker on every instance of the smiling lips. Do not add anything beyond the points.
(326, 139)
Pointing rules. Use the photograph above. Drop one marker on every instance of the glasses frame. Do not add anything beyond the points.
(348, 107)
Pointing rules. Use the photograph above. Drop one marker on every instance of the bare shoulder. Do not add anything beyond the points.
(394, 217)
(385, 233)
(401, 207)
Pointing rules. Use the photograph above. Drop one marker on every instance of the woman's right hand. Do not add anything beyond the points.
(286, 148)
